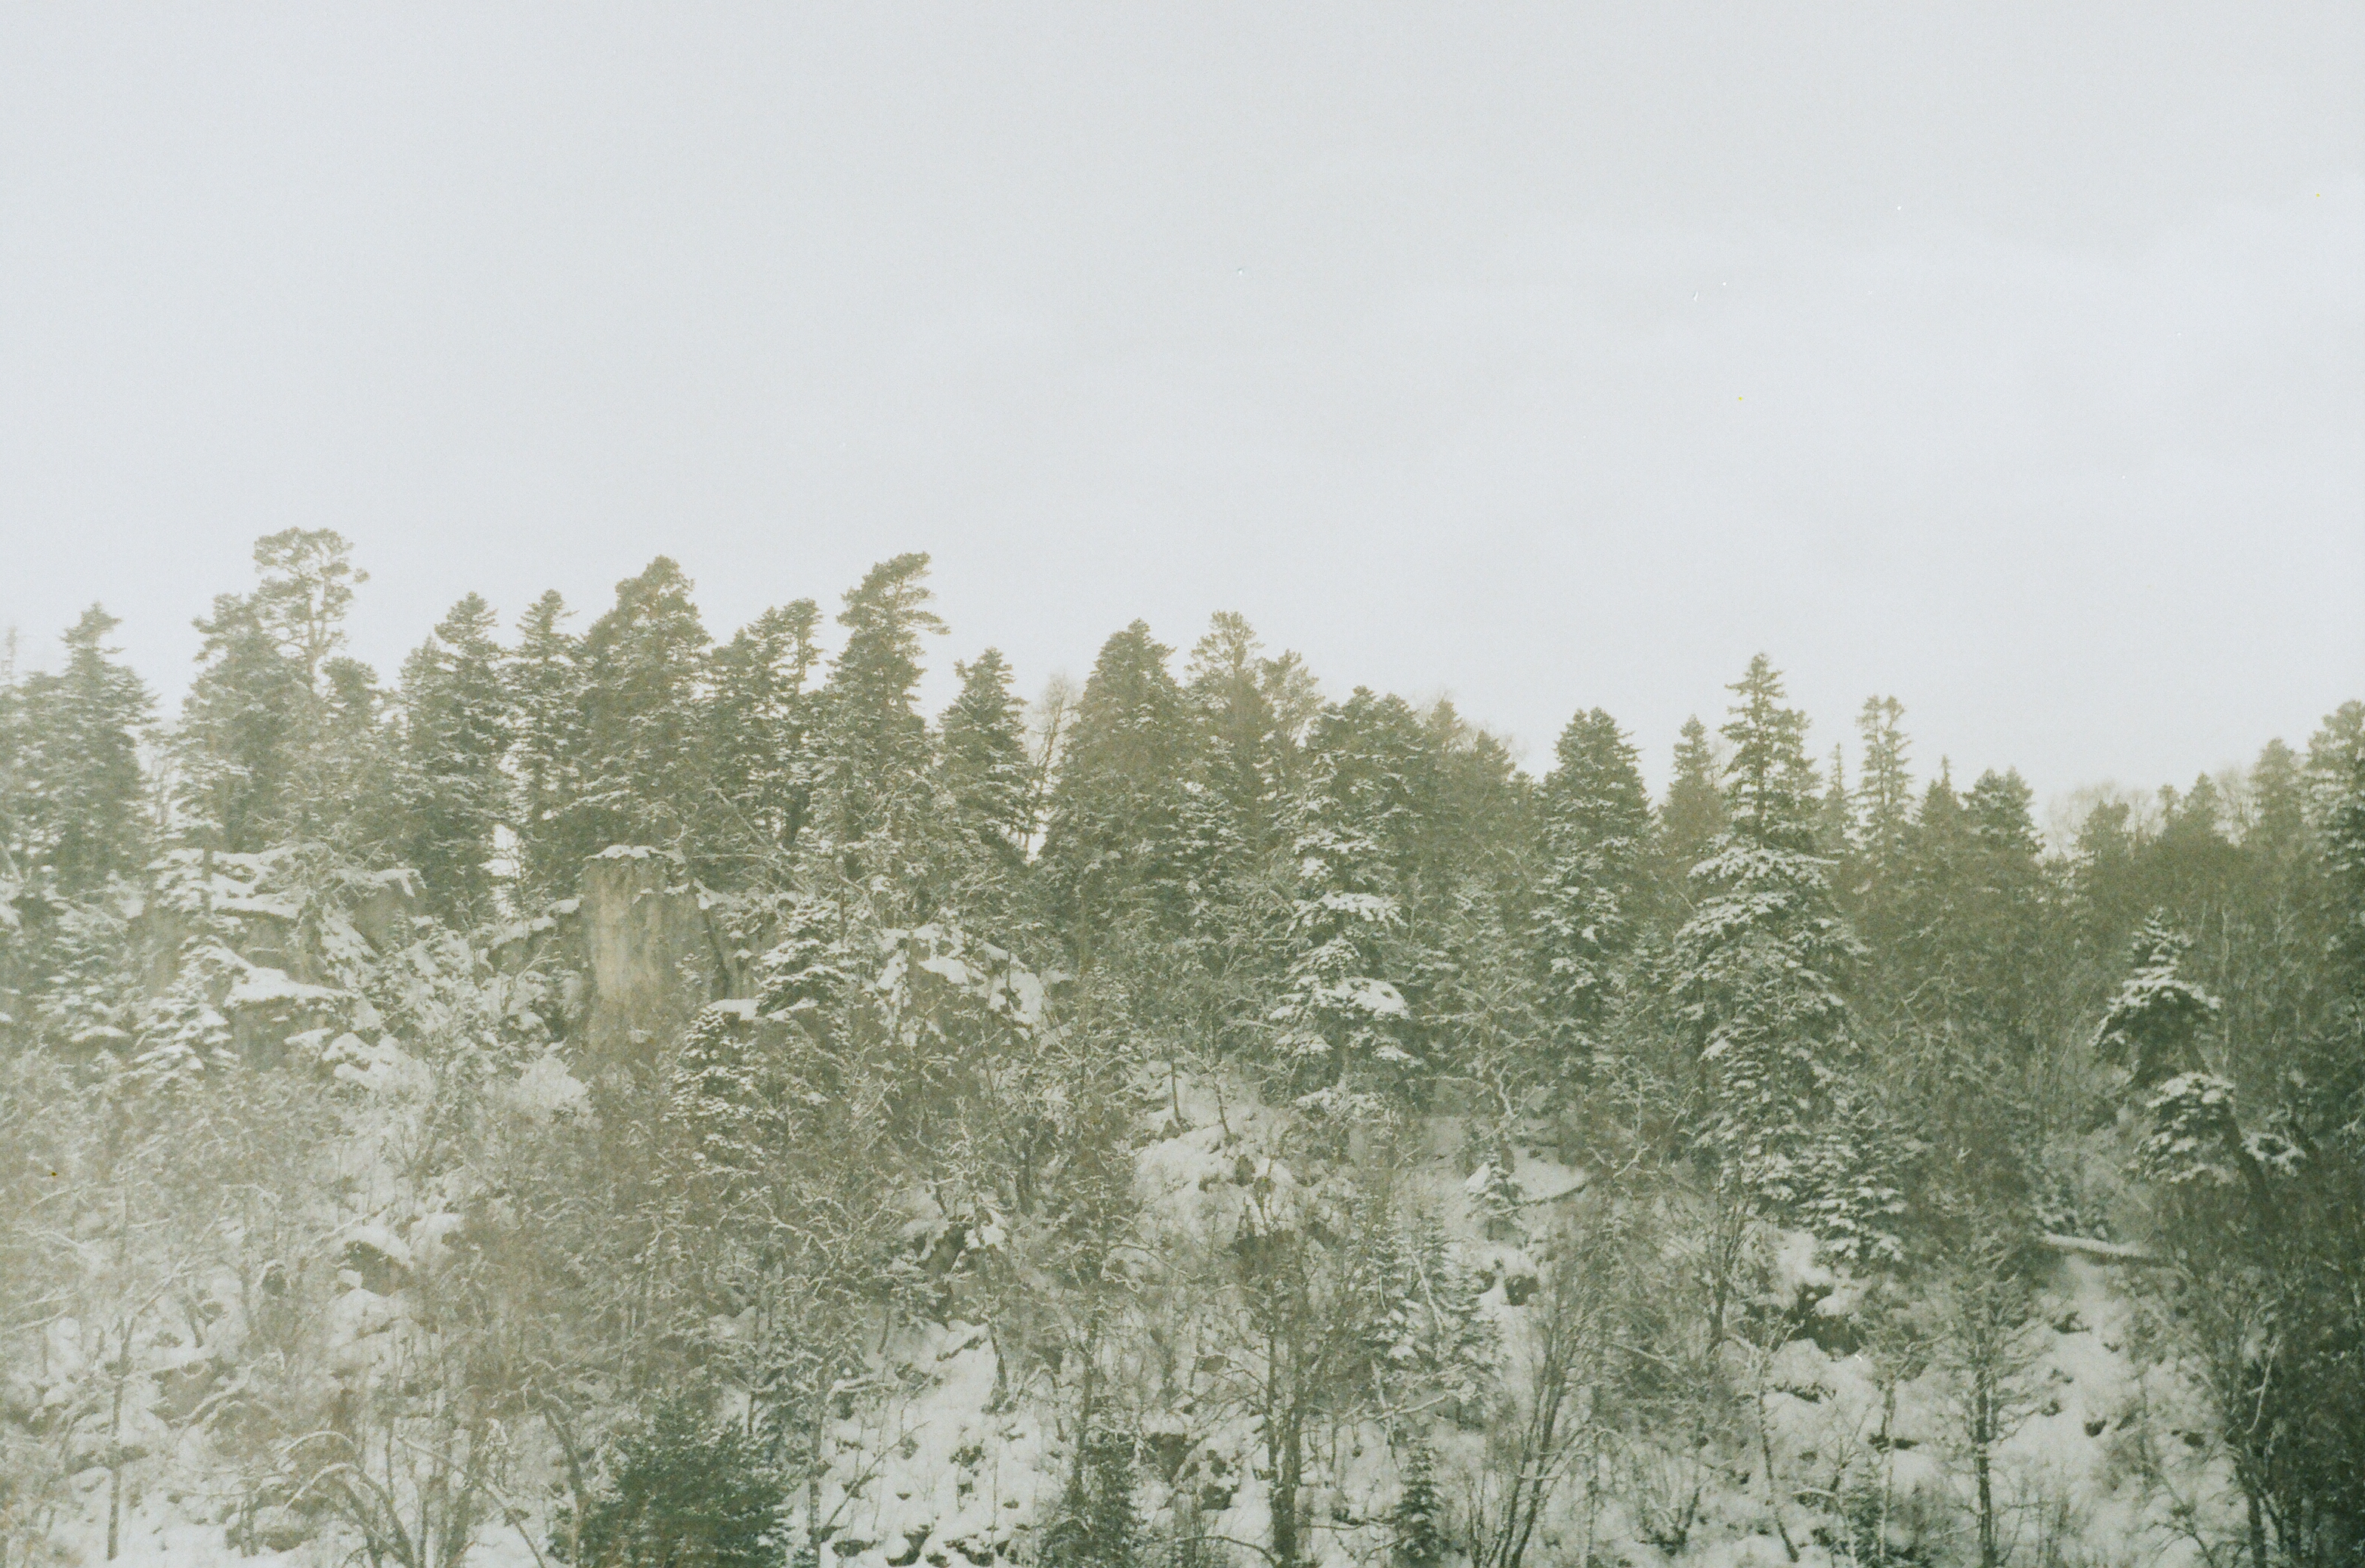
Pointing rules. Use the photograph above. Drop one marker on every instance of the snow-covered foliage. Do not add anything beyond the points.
(630, 1098)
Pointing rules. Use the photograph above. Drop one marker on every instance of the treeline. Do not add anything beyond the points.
(1880, 1011)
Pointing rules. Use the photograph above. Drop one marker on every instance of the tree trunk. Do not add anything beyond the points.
(1287, 1453)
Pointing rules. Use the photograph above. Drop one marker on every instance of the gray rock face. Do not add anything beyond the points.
(651, 943)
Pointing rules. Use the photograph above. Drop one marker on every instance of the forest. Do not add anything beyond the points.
(616, 1095)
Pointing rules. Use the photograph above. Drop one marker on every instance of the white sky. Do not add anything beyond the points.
(2010, 359)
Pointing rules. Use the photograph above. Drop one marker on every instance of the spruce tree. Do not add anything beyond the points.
(1344, 1027)
(759, 721)
(1244, 766)
(76, 795)
(874, 796)
(455, 736)
(1884, 803)
(238, 726)
(1835, 824)
(985, 764)
(277, 738)
(1597, 824)
(1097, 1525)
(1693, 814)
(644, 762)
(545, 676)
(1113, 846)
(1757, 973)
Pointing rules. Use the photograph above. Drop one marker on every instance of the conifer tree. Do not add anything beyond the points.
(1835, 824)
(457, 734)
(1243, 768)
(874, 796)
(643, 763)
(1693, 814)
(717, 1093)
(808, 974)
(1884, 809)
(1113, 847)
(759, 721)
(545, 677)
(1097, 1525)
(258, 745)
(1597, 823)
(1757, 973)
(985, 762)
(75, 789)
(231, 747)
(1343, 1025)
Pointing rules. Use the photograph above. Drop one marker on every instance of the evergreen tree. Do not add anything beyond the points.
(874, 798)
(75, 809)
(1757, 970)
(808, 975)
(644, 764)
(1417, 1523)
(683, 1491)
(236, 727)
(1596, 823)
(985, 765)
(1097, 1525)
(718, 1094)
(546, 677)
(1883, 819)
(1113, 845)
(1835, 824)
(308, 577)
(1343, 1025)
(759, 721)
(268, 734)
(1245, 764)
(1693, 814)
(457, 734)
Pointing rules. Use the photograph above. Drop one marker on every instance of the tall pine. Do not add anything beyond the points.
(1596, 828)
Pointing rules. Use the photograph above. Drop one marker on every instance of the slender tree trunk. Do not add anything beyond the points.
(115, 1445)
(1983, 1470)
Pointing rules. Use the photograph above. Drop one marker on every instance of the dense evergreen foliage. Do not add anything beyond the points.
(945, 983)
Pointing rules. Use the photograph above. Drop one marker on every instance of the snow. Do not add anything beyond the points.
(258, 985)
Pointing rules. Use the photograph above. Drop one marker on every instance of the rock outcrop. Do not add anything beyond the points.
(653, 951)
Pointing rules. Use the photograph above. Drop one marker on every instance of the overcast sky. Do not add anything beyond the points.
(2007, 359)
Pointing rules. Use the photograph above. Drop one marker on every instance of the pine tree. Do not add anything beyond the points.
(308, 577)
(1693, 814)
(1835, 824)
(76, 795)
(1097, 1525)
(277, 737)
(1597, 823)
(1757, 970)
(808, 973)
(1884, 818)
(681, 1490)
(1343, 1025)
(874, 796)
(1113, 845)
(545, 677)
(2152, 1027)
(985, 762)
(643, 763)
(457, 732)
(759, 723)
(1417, 1534)
(237, 727)
(1245, 764)
(717, 1093)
